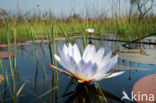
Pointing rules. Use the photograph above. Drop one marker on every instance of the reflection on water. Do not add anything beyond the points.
(86, 93)
(40, 81)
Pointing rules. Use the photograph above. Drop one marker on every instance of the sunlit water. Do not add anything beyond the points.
(38, 84)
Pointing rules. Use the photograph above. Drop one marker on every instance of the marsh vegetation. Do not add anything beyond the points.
(28, 43)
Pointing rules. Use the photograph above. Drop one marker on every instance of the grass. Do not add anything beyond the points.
(121, 26)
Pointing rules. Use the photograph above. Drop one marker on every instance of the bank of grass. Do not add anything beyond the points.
(122, 27)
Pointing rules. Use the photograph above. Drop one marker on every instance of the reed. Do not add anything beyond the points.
(44, 70)
(66, 36)
(15, 53)
(10, 62)
(1, 68)
(34, 44)
(120, 26)
(54, 52)
(37, 58)
(6, 81)
(84, 37)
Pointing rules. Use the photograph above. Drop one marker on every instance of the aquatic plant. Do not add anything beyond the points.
(90, 30)
(91, 66)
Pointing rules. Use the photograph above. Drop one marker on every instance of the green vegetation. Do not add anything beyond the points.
(122, 27)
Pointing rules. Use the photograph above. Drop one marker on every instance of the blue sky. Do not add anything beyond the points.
(66, 7)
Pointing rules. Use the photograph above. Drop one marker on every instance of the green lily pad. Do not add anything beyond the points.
(148, 57)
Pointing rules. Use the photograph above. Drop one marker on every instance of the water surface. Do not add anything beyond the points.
(40, 85)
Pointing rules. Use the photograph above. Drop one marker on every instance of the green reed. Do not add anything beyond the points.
(1, 68)
(84, 37)
(15, 51)
(10, 62)
(120, 26)
(44, 70)
(34, 44)
(66, 36)
(54, 52)
(6, 81)
(37, 58)
(43, 57)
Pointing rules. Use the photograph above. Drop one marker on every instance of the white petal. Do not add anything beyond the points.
(105, 69)
(104, 76)
(61, 61)
(111, 64)
(65, 60)
(99, 76)
(115, 74)
(86, 51)
(105, 60)
(98, 56)
(65, 50)
(77, 55)
(89, 53)
(74, 66)
(70, 50)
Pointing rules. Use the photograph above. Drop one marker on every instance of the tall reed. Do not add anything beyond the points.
(34, 44)
(54, 52)
(10, 62)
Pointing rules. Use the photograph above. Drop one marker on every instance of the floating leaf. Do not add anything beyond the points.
(146, 85)
(4, 54)
(151, 38)
(148, 57)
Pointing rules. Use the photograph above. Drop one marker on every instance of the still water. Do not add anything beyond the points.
(40, 80)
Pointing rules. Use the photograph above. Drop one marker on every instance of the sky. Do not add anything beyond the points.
(66, 7)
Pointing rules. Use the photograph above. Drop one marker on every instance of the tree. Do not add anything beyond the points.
(143, 6)
(3, 12)
(74, 16)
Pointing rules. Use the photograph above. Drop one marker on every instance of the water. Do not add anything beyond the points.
(40, 86)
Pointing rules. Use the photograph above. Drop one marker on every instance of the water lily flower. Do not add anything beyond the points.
(90, 30)
(91, 66)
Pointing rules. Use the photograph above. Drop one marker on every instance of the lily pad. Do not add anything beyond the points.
(148, 57)
(151, 38)
(4, 54)
(146, 85)
(12, 44)
(1, 78)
